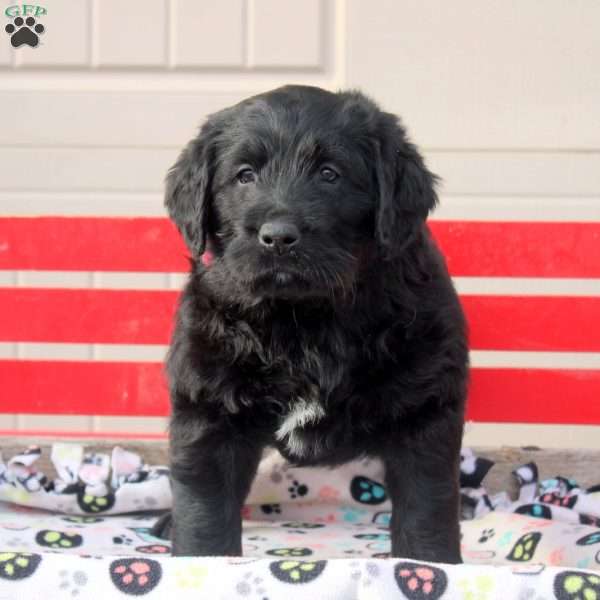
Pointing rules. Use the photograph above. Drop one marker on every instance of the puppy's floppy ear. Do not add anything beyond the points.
(188, 189)
(406, 188)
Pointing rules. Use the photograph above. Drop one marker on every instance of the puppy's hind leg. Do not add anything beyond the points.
(162, 527)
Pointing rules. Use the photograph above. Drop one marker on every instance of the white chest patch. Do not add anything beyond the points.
(303, 413)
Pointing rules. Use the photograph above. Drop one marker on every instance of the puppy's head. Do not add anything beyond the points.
(295, 192)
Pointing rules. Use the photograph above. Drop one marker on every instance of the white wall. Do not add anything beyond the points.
(503, 96)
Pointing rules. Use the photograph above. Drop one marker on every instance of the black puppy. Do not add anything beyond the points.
(321, 320)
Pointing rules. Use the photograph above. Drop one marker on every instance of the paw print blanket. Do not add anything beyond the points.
(307, 534)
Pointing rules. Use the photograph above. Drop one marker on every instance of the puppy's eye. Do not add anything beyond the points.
(328, 174)
(246, 175)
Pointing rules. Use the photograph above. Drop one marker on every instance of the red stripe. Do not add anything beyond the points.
(509, 249)
(533, 323)
(102, 388)
(86, 316)
(83, 388)
(523, 249)
(146, 317)
(91, 244)
(535, 396)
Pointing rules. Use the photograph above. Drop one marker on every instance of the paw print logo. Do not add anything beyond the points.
(297, 489)
(24, 32)
(486, 535)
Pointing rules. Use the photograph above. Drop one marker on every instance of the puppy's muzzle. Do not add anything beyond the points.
(278, 236)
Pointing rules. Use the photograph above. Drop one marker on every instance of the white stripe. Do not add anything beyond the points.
(93, 280)
(452, 207)
(517, 208)
(84, 352)
(535, 360)
(476, 434)
(502, 286)
(84, 423)
(519, 435)
(85, 204)
(156, 352)
(527, 286)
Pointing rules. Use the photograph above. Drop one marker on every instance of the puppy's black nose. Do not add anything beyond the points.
(279, 236)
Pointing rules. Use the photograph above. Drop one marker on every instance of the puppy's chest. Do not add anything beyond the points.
(320, 377)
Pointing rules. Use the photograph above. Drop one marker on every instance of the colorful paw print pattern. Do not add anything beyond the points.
(63, 540)
(589, 539)
(281, 552)
(154, 549)
(367, 491)
(95, 504)
(374, 537)
(302, 525)
(486, 534)
(525, 547)
(135, 576)
(82, 520)
(271, 509)
(297, 571)
(557, 500)
(575, 585)
(589, 520)
(420, 582)
(535, 510)
(18, 565)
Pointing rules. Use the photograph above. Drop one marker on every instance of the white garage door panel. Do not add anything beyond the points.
(518, 173)
(143, 170)
(107, 169)
(499, 73)
(107, 119)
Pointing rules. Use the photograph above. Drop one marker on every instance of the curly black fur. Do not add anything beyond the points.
(357, 323)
